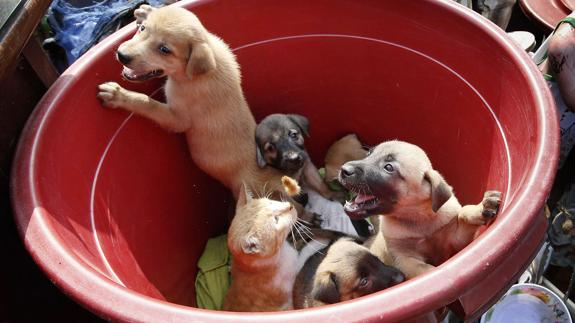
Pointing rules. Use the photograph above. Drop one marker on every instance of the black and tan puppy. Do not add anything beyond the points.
(421, 224)
(342, 271)
(280, 144)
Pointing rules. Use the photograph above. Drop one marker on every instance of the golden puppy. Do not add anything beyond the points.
(422, 223)
(203, 93)
(343, 271)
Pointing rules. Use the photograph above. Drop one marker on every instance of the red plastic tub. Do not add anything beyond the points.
(113, 210)
(547, 13)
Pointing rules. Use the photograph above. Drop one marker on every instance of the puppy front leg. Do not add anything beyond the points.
(411, 267)
(113, 95)
(481, 213)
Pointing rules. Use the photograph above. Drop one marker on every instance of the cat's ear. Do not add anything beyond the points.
(245, 196)
(251, 245)
(325, 288)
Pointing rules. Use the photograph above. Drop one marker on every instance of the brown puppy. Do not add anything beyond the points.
(203, 93)
(422, 223)
(280, 144)
(343, 271)
(340, 152)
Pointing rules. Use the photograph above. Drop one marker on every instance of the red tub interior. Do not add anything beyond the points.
(113, 209)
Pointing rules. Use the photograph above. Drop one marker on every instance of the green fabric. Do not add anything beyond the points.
(336, 186)
(570, 20)
(213, 279)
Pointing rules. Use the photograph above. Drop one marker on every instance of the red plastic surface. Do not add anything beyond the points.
(114, 211)
(546, 13)
(569, 4)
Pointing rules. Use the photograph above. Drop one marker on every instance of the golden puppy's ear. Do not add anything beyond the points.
(325, 288)
(245, 196)
(440, 190)
(201, 60)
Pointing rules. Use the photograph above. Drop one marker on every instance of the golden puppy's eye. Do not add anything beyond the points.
(164, 49)
(277, 218)
(142, 28)
(388, 168)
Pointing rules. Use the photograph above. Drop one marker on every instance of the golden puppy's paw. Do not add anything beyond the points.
(491, 202)
(142, 13)
(111, 94)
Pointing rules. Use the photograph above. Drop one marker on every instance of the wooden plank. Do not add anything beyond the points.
(16, 33)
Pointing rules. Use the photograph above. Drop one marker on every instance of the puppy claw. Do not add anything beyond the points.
(111, 95)
(491, 202)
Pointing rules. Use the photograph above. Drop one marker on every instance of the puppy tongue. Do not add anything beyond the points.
(360, 198)
(130, 73)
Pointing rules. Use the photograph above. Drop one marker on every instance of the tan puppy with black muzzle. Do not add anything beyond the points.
(342, 271)
(203, 93)
(421, 224)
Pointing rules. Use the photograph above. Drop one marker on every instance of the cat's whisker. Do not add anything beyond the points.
(305, 227)
(304, 221)
(299, 233)
(308, 233)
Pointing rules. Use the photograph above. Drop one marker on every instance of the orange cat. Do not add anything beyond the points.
(264, 264)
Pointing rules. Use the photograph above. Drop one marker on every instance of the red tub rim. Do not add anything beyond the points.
(92, 289)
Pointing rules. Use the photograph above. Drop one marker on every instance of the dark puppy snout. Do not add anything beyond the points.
(293, 158)
(124, 59)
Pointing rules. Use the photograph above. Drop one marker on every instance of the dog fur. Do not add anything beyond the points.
(203, 93)
(422, 223)
(345, 270)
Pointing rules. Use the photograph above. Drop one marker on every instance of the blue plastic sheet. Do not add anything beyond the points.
(79, 24)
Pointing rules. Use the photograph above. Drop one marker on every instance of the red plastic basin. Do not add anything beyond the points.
(547, 13)
(113, 210)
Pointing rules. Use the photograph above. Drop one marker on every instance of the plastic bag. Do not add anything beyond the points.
(79, 24)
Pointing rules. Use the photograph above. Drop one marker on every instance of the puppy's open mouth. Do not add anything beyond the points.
(134, 76)
(361, 206)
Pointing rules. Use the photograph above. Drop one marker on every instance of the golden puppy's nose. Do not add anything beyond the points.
(124, 59)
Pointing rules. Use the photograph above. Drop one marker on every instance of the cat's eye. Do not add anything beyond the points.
(369, 151)
(293, 134)
(269, 147)
(142, 28)
(388, 168)
(363, 282)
